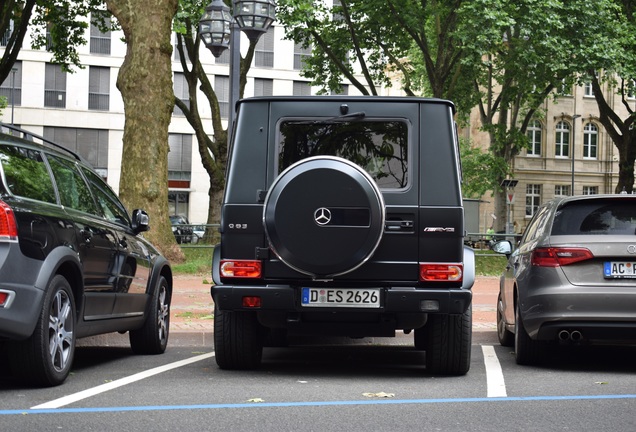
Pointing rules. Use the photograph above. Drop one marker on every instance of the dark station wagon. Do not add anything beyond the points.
(73, 262)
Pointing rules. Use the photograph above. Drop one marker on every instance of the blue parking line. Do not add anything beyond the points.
(313, 404)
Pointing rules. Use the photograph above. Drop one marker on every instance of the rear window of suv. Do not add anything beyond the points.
(380, 147)
(596, 217)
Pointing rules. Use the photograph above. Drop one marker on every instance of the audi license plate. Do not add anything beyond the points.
(341, 297)
(619, 269)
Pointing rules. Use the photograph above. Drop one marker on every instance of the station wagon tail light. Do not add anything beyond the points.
(556, 257)
(444, 272)
(241, 269)
(8, 226)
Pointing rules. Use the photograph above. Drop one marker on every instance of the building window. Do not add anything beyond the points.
(54, 86)
(91, 144)
(99, 88)
(302, 88)
(590, 190)
(562, 139)
(300, 56)
(4, 40)
(631, 89)
(180, 157)
(264, 52)
(263, 87)
(178, 203)
(561, 190)
(588, 91)
(11, 87)
(534, 138)
(181, 91)
(344, 90)
(222, 90)
(100, 41)
(533, 199)
(590, 140)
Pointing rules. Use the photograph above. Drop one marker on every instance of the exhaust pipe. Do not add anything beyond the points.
(576, 336)
(564, 335)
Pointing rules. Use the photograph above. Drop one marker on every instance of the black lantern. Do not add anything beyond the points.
(214, 27)
(254, 17)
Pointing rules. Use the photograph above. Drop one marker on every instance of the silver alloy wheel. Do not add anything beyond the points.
(163, 315)
(60, 330)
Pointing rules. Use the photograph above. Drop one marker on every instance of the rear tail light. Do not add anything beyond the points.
(241, 269)
(556, 257)
(8, 226)
(441, 272)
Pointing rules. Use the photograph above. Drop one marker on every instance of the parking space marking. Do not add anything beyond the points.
(33, 411)
(66, 400)
(495, 382)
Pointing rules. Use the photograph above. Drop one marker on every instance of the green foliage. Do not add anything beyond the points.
(198, 260)
(488, 263)
(481, 170)
(66, 25)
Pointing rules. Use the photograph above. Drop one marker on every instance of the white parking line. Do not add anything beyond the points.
(66, 400)
(494, 375)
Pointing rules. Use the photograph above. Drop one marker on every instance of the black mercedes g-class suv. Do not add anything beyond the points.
(343, 216)
(73, 262)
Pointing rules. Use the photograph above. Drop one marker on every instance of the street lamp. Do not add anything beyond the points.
(574, 117)
(509, 185)
(220, 30)
(13, 71)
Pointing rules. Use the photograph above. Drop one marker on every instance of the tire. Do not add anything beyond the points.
(447, 341)
(506, 337)
(238, 340)
(527, 351)
(45, 359)
(324, 216)
(152, 338)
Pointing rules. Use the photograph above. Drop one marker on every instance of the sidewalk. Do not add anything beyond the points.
(192, 323)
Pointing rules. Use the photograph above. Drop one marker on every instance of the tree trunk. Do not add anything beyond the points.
(145, 82)
(627, 155)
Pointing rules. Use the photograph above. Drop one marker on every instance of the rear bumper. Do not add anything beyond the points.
(598, 312)
(395, 300)
(18, 320)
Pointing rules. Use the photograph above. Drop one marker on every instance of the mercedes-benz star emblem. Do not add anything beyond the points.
(322, 216)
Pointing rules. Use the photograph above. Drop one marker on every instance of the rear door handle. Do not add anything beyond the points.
(398, 225)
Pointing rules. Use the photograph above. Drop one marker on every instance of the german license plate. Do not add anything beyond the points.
(619, 269)
(341, 297)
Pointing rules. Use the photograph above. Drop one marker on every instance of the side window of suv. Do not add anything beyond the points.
(26, 174)
(110, 206)
(74, 192)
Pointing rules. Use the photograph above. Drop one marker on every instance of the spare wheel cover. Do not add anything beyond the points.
(324, 216)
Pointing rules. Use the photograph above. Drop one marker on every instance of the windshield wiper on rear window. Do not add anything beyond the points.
(342, 118)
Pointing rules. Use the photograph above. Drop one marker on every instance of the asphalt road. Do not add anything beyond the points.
(367, 387)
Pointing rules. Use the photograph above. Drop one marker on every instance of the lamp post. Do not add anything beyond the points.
(509, 185)
(220, 30)
(13, 71)
(574, 117)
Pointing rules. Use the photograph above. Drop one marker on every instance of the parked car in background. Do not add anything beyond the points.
(73, 262)
(572, 280)
(198, 232)
(181, 229)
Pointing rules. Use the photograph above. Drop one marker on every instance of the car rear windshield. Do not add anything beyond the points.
(596, 217)
(378, 146)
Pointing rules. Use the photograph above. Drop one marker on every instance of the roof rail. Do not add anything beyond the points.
(24, 134)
